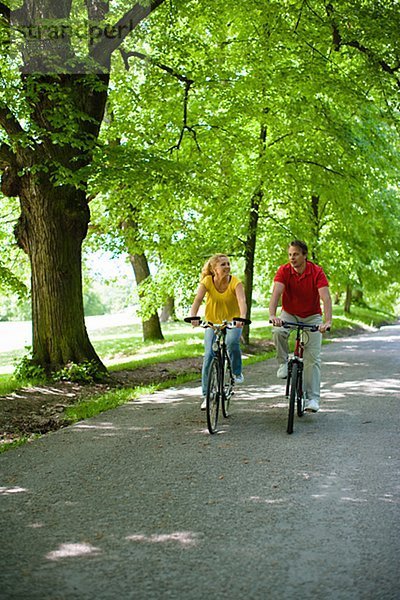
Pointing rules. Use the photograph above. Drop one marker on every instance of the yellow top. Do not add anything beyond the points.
(221, 306)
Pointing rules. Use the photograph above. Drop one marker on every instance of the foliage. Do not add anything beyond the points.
(86, 372)
(184, 170)
(27, 370)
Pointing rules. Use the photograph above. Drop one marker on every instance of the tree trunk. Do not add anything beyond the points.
(347, 301)
(151, 327)
(315, 225)
(250, 251)
(53, 244)
(168, 311)
(251, 240)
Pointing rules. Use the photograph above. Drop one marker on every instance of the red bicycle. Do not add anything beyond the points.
(294, 381)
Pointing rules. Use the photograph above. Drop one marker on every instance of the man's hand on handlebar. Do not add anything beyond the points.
(325, 326)
(276, 321)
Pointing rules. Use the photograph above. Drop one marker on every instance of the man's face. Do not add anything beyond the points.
(296, 258)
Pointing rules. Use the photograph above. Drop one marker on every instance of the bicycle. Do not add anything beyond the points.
(220, 377)
(294, 381)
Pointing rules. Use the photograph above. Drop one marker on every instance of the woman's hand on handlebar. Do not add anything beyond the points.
(325, 327)
(240, 322)
(193, 320)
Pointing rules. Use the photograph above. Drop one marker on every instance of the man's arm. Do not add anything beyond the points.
(274, 301)
(327, 302)
(241, 298)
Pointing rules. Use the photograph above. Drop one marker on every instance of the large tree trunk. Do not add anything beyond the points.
(151, 327)
(54, 248)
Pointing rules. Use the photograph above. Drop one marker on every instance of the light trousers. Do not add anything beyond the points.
(233, 345)
(312, 351)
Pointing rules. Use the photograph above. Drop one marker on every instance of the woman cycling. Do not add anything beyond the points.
(225, 300)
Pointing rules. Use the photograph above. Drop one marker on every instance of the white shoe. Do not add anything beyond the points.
(312, 406)
(204, 404)
(238, 378)
(282, 371)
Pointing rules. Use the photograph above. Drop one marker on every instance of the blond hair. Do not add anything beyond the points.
(210, 264)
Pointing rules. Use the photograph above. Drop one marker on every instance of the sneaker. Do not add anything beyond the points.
(282, 371)
(204, 404)
(238, 378)
(312, 406)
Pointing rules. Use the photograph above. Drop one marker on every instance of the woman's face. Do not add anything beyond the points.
(223, 267)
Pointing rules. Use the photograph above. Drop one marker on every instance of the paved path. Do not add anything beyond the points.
(142, 503)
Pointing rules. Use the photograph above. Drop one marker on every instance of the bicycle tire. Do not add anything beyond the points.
(227, 386)
(213, 397)
(300, 394)
(292, 398)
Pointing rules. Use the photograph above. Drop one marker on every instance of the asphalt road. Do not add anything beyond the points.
(142, 503)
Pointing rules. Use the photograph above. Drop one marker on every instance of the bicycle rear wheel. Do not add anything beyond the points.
(213, 397)
(292, 397)
(227, 387)
(300, 393)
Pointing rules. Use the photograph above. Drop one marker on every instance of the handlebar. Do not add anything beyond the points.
(300, 325)
(223, 325)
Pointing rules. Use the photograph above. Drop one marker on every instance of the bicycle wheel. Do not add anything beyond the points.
(227, 386)
(213, 397)
(292, 398)
(300, 393)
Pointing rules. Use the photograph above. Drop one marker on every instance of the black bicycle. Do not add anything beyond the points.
(220, 377)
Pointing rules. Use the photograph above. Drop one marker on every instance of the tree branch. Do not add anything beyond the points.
(295, 161)
(112, 37)
(338, 42)
(182, 78)
(148, 59)
(9, 122)
(7, 156)
(382, 63)
(280, 138)
(336, 37)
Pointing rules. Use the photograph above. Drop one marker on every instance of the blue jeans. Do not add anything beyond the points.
(233, 345)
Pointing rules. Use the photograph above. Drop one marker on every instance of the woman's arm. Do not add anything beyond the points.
(201, 292)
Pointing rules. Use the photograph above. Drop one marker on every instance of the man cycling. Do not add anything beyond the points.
(302, 286)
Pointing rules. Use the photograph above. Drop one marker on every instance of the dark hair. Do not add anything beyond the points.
(302, 245)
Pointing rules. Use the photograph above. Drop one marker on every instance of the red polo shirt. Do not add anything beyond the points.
(300, 296)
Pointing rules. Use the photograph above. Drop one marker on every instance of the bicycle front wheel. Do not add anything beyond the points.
(300, 393)
(227, 386)
(213, 397)
(292, 397)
